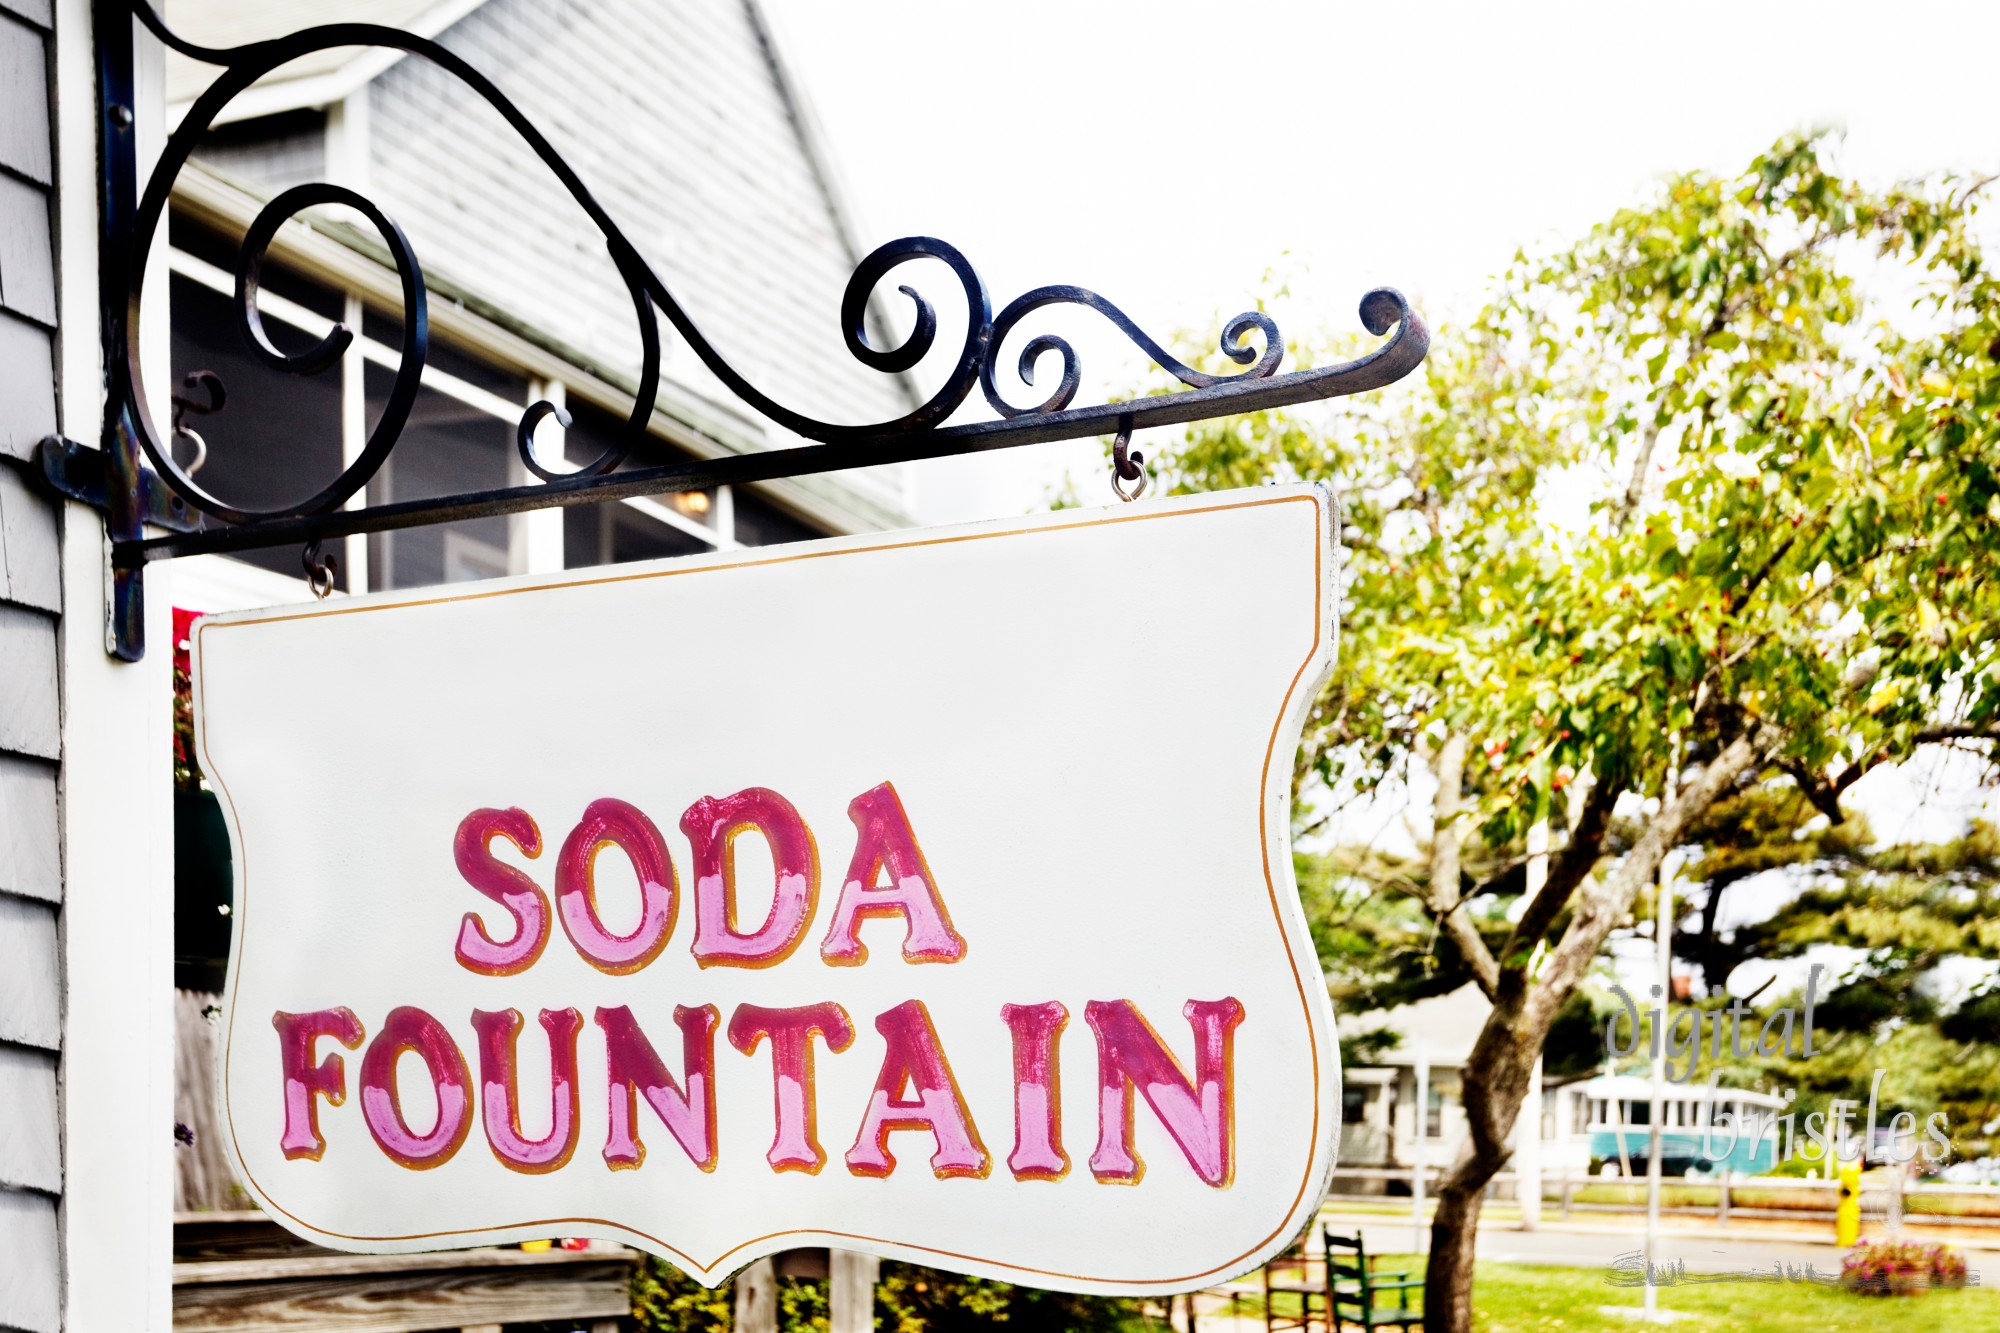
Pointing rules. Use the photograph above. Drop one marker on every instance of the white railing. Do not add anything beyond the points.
(1926, 1204)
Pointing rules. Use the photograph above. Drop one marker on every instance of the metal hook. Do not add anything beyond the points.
(213, 395)
(192, 437)
(321, 570)
(1127, 465)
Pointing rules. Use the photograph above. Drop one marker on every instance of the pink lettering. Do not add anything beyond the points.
(712, 824)
(613, 823)
(634, 1067)
(885, 845)
(795, 1144)
(1199, 1113)
(1038, 1153)
(504, 884)
(913, 1059)
(297, 1034)
(408, 1029)
(499, 1035)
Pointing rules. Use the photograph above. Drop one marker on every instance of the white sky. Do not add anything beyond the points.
(1167, 154)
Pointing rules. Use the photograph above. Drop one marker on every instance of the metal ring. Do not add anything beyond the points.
(321, 570)
(192, 435)
(1145, 480)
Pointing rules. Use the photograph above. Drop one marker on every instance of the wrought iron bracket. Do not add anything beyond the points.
(186, 519)
(79, 472)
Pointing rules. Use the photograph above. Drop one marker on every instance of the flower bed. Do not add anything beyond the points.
(1901, 1268)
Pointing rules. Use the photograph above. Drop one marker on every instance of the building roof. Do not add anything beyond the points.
(680, 118)
(314, 80)
(1639, 1088)
(1441, 1029)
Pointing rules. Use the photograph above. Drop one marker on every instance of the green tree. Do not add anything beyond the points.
(1781, 578)
(1908, 911)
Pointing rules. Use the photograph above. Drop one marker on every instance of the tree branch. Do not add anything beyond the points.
(1608, 900)
(1566, 873)
(1444, 899)
(1824, 795)
(1635, 487)
(1959, 731)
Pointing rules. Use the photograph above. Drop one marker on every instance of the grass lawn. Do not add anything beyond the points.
(1520, 1298)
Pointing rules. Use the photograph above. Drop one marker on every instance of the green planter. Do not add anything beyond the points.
(203, 891)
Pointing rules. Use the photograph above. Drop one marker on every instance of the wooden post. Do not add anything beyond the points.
(1565, 1131)
(1722, 1198)
(1528, 1123)
(1528, 1152)
(1418, 1156)
(757, 1299)
(850, 1294)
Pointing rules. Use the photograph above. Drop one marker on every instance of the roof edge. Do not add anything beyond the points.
(819, 155)
(268, 97)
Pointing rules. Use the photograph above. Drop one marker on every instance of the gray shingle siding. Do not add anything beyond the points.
(24, 135)
(30, 862)
(30, 721)
(30, 1150)
(27, 258)
(28, 716)
(28, 573)
(28, 1239)
(27, 370)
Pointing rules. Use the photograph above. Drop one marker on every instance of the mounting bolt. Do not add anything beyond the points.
(121, 115)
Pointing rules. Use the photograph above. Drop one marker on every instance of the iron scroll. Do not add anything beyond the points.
(168, 496)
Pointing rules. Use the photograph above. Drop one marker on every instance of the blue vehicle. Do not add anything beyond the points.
(1703, 1132)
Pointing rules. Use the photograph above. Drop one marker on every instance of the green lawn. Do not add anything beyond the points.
(1513, 1297)
(1518, 1298)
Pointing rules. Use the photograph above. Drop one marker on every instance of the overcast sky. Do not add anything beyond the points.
(1167, 154)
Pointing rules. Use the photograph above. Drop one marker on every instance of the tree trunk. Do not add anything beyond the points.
(1502, 1060)
(1495, 1082)
(1454, 1227)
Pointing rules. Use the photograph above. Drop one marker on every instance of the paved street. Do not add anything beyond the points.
(1589, 1246)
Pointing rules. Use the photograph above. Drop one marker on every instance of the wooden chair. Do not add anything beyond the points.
(1295, 1296)
(1352, 1288)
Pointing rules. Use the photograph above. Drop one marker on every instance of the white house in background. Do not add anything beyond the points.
(1379, 1112)
(681, 118)
(1379, 1101)
(1601, 1119)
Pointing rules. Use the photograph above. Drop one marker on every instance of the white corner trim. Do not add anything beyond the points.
(116, 1076)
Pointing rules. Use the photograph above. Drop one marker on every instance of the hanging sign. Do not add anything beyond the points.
(926, 894)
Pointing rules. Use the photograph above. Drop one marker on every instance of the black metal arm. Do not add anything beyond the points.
(134, 497)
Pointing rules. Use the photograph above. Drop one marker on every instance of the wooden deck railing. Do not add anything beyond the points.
(237, 1271)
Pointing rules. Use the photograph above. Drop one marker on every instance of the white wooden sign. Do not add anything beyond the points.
(926, 894)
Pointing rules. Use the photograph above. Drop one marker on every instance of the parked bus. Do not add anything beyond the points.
(1615, 1112)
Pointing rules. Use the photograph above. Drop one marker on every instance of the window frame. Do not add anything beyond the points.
(528, 552)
